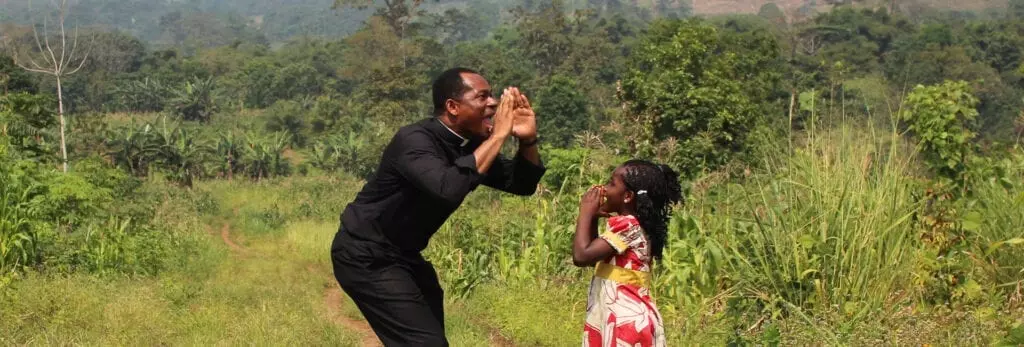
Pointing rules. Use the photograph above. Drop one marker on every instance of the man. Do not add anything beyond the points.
(426, 171)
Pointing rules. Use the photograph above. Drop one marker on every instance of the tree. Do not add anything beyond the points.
(456, 25)
(564, 110)
(13, 78)
(390, 75)
(297, 79)
(397, 13)
(545, 35)
(772, 13)
(287, 116)
(942, 117)
(859, 38)
(57, 61)
(935, 63)
(691, 88)
(114, 52)
(26, 121)
(1016, 9)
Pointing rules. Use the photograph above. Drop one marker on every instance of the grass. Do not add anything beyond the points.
(817, 247)
(258, 300)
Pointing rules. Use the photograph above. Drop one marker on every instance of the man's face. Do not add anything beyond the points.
(473, 111)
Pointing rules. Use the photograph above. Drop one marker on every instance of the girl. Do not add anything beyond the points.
(637, 199)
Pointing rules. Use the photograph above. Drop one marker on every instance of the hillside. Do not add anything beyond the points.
(168, 22)
(790, 7)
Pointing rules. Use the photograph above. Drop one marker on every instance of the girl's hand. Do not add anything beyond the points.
(590, 204)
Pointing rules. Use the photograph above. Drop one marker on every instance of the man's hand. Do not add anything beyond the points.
(500, 130)
(504, 118)
(525, 125)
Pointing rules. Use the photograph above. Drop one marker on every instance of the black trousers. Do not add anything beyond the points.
(397, 292)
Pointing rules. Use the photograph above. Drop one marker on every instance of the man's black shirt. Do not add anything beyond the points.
(424, 174)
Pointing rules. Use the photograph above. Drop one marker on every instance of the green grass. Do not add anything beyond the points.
(270, 292)
(244, 300)
(816, 247)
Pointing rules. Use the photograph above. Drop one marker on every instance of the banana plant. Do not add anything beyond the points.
(228, 150)
(194, 101)
(133, 148)
(180, 154)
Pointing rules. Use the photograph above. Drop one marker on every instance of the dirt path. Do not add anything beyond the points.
(333, 299)
(225, 235)
(499, 340)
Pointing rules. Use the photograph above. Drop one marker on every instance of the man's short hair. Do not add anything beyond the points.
(449, 85)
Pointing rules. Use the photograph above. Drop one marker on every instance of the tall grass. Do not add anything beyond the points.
(824, 234)
(995, 224)
(830, 230)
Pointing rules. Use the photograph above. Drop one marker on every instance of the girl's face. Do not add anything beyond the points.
(618, 199)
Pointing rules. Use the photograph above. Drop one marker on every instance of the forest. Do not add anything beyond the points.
(172, 172)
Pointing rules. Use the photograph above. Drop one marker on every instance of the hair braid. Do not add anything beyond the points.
(656, 188)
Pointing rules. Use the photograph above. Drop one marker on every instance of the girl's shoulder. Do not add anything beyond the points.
(622, 223)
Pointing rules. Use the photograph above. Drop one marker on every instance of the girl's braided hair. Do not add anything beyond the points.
(656, 188)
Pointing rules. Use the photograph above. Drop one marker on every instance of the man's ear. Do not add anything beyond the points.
(452, 107)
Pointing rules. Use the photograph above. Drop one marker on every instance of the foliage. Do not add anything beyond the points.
(19, 240)
(992, 221)
(942, 118)
(26, 122)
(688, 85)
(835, 238)
(348, 151)
(287, 116)
(194, 101)
(146, 95)
(564, 110)
(13, 78)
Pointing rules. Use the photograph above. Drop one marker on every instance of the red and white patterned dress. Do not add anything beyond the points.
(620, 310)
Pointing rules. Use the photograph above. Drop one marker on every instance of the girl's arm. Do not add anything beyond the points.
(587, 248)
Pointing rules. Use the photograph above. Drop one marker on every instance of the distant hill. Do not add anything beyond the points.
(164, 22)
(791, 7)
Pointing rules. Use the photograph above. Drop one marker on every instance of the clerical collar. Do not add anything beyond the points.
(465, 141)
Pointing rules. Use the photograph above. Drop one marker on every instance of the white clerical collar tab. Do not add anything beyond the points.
(465, 141)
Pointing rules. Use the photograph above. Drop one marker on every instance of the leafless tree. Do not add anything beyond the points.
(57, 60)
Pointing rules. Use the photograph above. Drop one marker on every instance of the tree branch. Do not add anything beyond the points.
(63, 35)
(53, 57)
(26, 68)
(74, 47)
(86, 57)
(39, 45)
(35, 64)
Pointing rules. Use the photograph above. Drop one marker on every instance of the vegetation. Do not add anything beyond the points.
(853, 177)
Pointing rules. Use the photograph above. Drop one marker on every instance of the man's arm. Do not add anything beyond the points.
(419, 162)
(529, 150)
(520, 175)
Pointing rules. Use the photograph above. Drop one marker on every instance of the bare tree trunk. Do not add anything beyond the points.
(54, 64)
(60, 113)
